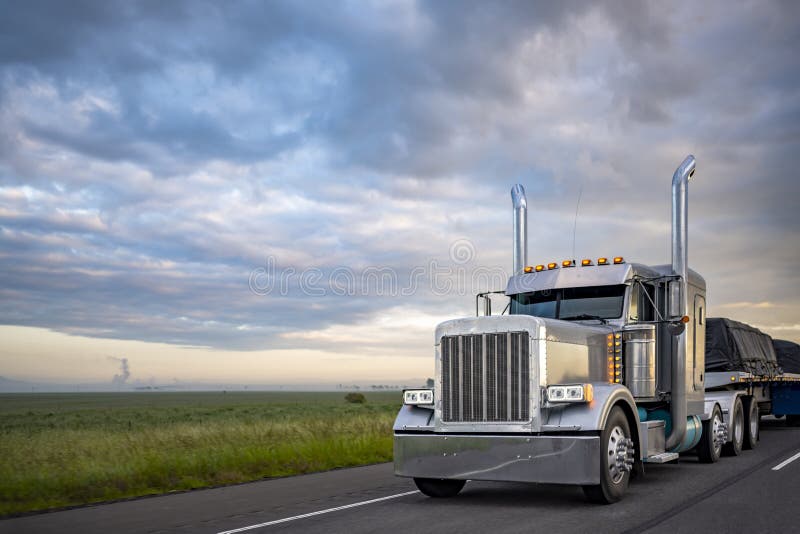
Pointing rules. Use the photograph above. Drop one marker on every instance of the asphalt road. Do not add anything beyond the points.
(741, 494)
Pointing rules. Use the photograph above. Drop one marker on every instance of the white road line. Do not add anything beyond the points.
(320, 512)
(786, 462)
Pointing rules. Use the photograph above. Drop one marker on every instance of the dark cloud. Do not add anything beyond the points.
(152, 154)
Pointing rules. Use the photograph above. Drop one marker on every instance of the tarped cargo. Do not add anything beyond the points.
(788, 354)
(735, 346)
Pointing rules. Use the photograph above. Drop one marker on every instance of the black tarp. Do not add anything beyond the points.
(788, 354)
(735, 346)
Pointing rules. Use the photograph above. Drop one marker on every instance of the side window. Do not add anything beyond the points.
(646, 300)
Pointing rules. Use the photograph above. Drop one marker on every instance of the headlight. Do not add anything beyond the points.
(570, 393)
(418, 396)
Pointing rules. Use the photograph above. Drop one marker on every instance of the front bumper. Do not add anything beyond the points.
(534, 458)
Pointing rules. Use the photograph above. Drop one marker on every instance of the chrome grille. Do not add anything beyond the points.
(485, 377)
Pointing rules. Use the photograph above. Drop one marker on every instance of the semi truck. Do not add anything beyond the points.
(595, 369)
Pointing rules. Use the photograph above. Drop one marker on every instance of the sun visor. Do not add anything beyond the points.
(600, 275)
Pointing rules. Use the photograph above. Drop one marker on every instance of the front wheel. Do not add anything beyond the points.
(616, 460)
(734, 448)
(439, 488)
(752, 423)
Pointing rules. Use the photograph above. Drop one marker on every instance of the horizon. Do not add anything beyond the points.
(284, 193)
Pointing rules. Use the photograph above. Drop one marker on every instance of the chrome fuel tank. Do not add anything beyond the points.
(639, 350)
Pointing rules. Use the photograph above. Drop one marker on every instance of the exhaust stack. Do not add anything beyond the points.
(520, 203)
(680, 267)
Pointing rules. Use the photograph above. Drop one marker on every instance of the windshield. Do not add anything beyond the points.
(572, 303)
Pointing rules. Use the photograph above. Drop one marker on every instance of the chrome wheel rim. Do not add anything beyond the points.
(718, 434)
(618, 445)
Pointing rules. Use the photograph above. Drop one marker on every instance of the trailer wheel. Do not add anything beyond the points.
(439, 488)
(616, 460)
(734, 448)
(752, 423)
(710, 447)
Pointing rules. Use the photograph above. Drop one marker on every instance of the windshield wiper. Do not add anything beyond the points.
(584, 316)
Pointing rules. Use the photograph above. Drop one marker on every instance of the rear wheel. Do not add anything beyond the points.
(710, 447)
(734, 448)
(616, 460)
(751, 423)
(439, 487)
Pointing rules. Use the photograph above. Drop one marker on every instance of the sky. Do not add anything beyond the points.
(298, 192)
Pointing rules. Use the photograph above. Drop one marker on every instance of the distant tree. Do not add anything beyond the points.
(429, 383)
(355, 398)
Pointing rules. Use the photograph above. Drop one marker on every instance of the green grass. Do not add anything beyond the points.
(66, 449)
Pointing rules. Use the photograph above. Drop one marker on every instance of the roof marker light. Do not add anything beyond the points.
(602, 261)
(568, 263)
(586, 263)
(552, 265)
(618, 260)
(528, 269)
(539, 268)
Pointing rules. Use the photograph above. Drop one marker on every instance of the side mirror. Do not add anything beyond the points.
(677, 328)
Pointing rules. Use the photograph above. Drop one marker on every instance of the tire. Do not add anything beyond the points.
(752, 423)
(710, 447)
(613, 480)
(793, 420)
(736, 430)
(439, 488)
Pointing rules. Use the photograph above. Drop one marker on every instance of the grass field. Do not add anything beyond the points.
(65, 449)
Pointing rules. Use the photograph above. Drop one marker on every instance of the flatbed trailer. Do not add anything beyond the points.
(776, 395)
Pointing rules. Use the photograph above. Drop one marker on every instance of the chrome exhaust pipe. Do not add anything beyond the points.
(680, 267)
(520, 203)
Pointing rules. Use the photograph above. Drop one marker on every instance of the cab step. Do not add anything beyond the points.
(662, 458)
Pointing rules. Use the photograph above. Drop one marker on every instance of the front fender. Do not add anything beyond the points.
(592, 416)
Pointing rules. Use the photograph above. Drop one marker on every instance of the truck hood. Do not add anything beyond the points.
(571, 332)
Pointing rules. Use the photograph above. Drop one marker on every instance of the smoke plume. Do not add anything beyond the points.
(124, 371)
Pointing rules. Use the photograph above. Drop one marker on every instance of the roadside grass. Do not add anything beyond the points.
(61, 450)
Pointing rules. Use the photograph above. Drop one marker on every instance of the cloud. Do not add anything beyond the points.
(757, 305)
(153, 156)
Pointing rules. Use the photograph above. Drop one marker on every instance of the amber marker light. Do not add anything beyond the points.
(586, 263)
(528, 269)
(568, 263)
(539, 268)
(602, 261)
(618, 260)
(552, 265)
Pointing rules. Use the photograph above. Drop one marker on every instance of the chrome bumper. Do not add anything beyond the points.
(544, 459)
